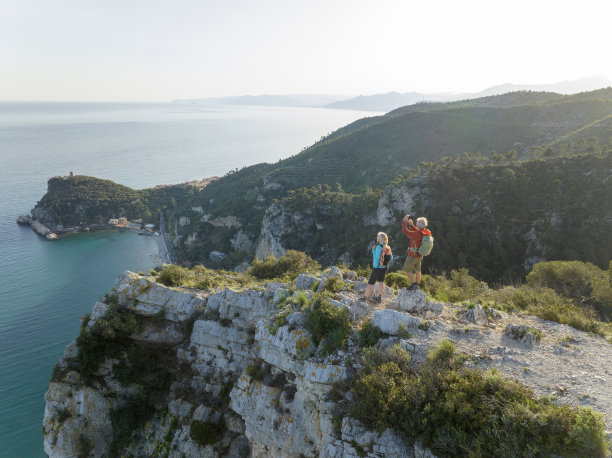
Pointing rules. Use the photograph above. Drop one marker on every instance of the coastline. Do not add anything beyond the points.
(162, 250)
(163, 255)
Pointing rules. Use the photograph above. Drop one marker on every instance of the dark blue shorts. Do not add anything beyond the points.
(377, 275)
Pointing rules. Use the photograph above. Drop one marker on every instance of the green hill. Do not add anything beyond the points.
(495, 219)
(517, 164)
(82, 200)
(371, 152)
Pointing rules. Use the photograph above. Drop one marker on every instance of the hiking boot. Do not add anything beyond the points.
(377, 299)
(413, 287)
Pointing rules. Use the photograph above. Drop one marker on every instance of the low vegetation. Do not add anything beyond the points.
(284, 269)
(327, 324)
(574, 293)
(458, 411)
(584, 283)
(369, 334)
(206, 433)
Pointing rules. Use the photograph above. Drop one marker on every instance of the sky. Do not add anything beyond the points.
(151, 50)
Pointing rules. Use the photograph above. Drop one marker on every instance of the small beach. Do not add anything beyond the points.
(163, 255)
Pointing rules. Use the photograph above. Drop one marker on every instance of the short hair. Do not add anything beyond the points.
(381, 237)
(422, 222)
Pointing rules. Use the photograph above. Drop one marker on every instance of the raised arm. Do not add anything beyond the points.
(411, 231)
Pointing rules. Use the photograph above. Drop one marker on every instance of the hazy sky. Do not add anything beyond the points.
(161, 50)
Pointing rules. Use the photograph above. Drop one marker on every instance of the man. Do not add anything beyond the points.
(412, 265)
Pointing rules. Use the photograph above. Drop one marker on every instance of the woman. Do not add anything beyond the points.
(381, 256)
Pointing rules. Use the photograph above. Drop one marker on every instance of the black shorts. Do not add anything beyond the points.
(377, 275)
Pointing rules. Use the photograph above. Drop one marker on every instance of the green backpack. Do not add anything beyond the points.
(427, 243)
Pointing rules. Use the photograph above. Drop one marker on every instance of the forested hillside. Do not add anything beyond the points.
(83, 200)
(482, 140)
(372, 151)
(506, 181)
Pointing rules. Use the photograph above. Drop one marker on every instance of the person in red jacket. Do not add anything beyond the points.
(412, 265)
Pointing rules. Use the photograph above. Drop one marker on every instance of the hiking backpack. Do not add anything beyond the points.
(426, 246)
(385, 255)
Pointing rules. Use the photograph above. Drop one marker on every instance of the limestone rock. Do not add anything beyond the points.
(292, 427)
(305, 281)
(272, 229)
(333, 272)
(148, 298)
(243, 308)
(241, 242)
(475, 315)
(410, 300)
(389, 321)
(70, 414)
(297, 319)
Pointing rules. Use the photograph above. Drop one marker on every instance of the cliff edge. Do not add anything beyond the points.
(173, 371)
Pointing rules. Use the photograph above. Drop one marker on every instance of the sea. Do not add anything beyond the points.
(45, 287)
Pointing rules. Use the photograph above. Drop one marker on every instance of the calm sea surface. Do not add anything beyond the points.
(46, 286)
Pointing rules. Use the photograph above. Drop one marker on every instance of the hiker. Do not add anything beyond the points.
(412, 265)
(381, 257)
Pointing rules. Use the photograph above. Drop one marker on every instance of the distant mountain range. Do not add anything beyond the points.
(392, 100)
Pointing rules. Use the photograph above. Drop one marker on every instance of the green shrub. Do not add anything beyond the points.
(521, 331)
(279, 321)
(334, 285)
(323, 319)
(459, 287)
(397, 280)
(364, 271)
(254, 371)
(442, 352)
(206, 433)
(532, 298)
(84, 445)
(458, 411)
(172, 275)
(125, 420)
(62, 415)
(369, 334)
(583, 282)
(549, 305)
(288, 266)
(403, 333)
(106, 339)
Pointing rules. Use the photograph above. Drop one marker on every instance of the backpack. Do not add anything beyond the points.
(426, 246)
(385, 256)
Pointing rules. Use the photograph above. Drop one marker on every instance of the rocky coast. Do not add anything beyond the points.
(229, 372)
(37, 227)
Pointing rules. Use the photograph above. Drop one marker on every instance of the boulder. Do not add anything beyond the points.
(305, 281)
(410, 300)
(475, 315)
(148, 298)
(389, 321)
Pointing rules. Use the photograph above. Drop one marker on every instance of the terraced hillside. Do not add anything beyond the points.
(372, 151)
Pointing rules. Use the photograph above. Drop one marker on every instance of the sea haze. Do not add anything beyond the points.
(45, 287)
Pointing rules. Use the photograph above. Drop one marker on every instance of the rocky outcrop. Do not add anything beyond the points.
(241, 242)
(395, 201)
(272, 229)
(37, 227)
(181, 372)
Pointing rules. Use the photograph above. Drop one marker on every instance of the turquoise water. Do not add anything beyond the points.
(46, 286)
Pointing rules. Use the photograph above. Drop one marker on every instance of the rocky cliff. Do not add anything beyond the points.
(159, 371)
